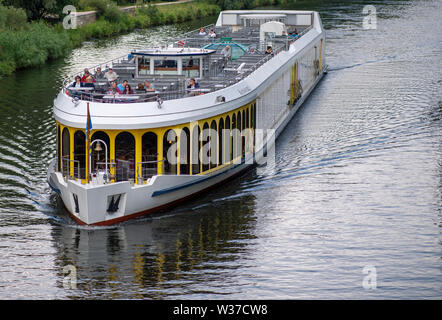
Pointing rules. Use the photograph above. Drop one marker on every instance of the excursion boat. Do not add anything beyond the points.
(120, 156)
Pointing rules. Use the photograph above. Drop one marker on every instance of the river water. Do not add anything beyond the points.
(349, 209)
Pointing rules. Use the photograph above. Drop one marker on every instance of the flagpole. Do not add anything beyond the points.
(88, 145)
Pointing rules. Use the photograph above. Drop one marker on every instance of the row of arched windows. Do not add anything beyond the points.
(187, 149)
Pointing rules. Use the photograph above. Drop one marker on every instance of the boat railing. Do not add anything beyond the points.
(148, 169)
(70, 169)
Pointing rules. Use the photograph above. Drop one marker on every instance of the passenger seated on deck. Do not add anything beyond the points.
(149, 87)
(122, 86)
(252, 50)
(77, 83)
(202, 32)
(114, 89)
(89, 83)
(269, 50)
(86, 75)
(127, 89)
(140, 88)
(110, 75)
(294, 34)
(99, 75)
(192, 86)
(212, 33)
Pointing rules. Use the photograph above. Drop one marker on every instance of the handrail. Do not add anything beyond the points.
(76, 163)
(141, 177)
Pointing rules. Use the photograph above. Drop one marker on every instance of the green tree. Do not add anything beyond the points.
(38, 9)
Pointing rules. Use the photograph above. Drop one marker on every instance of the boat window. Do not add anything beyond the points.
(80, 153)
(185, 151)
(125, 156)
(98, 157)
(205, 154)
(165, 66)
(191, 67)
(196, 149)
(143, 66)
(237, 137)
(66, 151)
(220, 141)
(169, 156)
(227, 140)
(247, 118)
(213, 144)
(233, 133)
(149, 155)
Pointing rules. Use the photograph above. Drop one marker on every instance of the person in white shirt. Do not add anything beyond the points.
(202, 32)
(110, 75)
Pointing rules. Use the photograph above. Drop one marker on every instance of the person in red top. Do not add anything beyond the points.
(114, 89)
(87, 75)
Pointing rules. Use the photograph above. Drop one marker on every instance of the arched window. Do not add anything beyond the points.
(220, 142)
(227, 141)
(205, 154)
(80, 154)
(98, 157)
(125, 156)
(149, 155)
(233, 134)
(170, 155)
(196, 149)
(65, 151)
(247, 118)
(213, 144)
(185, 151)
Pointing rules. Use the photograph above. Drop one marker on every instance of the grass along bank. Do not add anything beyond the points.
(27, 44)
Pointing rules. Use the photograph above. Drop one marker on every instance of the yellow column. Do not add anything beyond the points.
(320, 57)
(71, 149)
(160, 134)
(178, 147)
(112, 135)
(138, 154)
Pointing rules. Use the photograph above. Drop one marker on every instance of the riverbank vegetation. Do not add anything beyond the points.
(31, 32)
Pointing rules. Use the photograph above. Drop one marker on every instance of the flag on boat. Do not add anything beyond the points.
(88, 122)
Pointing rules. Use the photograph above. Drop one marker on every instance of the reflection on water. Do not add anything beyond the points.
(171, 254)
(355, 183)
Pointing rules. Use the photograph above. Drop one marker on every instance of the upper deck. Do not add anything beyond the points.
(170, 66)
